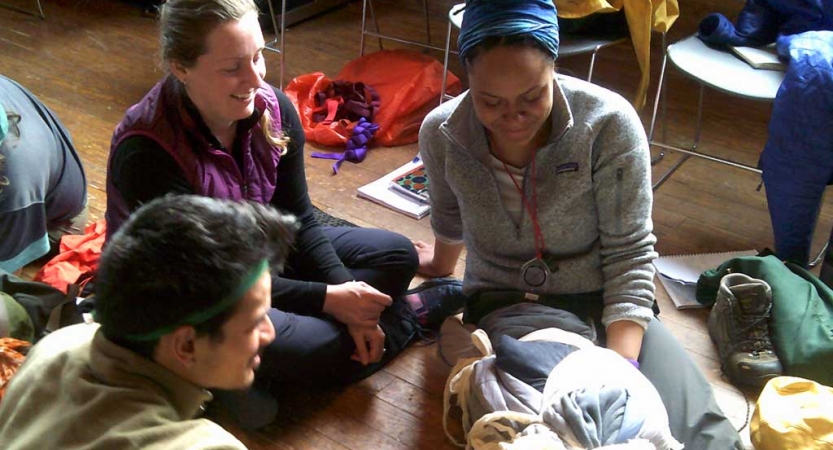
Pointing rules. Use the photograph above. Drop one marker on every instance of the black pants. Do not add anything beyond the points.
(316, 349)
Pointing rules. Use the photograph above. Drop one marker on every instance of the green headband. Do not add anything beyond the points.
(204, 315)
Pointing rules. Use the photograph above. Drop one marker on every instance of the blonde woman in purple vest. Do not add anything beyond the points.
(212, 126)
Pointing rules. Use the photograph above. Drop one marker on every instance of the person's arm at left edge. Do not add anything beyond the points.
(334, 292)
(624, 198)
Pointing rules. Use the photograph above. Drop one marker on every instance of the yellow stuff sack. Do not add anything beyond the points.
(793, 413)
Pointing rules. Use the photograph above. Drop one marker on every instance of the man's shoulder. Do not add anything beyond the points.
(62, 341)
(145, 430)
(55, 356)
(198, 434)
(195, 434)
(35, 398)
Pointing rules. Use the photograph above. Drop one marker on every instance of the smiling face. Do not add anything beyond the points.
(512, 89)
(222, 82)
(231, 362)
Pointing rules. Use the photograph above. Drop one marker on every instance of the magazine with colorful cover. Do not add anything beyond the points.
(413, 184)
(380, 191)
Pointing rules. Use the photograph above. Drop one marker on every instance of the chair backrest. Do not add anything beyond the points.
(569, 45)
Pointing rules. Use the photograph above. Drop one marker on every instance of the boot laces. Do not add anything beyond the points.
(753, 332)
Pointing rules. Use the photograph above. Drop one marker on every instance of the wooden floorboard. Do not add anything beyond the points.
(90, 61)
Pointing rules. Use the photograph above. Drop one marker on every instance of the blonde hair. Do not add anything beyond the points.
(183, 28)
(281, 141)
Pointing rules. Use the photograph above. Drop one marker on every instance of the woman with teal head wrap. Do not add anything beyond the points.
(545, 180)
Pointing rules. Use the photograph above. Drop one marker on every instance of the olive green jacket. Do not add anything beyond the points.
(77, 390)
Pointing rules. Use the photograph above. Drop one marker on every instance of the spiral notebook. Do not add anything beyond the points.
(679, 274)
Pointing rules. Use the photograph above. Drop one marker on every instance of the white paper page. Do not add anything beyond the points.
(687, 268)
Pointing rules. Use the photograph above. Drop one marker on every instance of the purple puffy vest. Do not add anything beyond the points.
(212, 172)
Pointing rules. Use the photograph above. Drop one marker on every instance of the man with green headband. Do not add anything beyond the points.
(43, 189)
(183, 292)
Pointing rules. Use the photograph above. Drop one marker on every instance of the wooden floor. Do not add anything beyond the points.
(90, 61)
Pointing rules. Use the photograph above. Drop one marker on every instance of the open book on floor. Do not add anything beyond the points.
(679, 274)
(382, 192)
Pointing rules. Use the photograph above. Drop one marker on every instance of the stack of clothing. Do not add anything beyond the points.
(552, 388)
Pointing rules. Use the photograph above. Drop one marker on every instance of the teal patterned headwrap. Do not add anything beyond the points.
(485, 18)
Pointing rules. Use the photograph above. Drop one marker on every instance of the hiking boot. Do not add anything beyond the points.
(738, 327)
(436, 299)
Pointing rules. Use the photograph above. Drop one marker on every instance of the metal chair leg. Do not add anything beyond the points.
(24, 11)
(445, 63)
(364, 27)
(283, 42)
(365, 4)
(381, 37)
(427, 22)
(699, 128)
(687, 154)
(664, 97)
(271, 45)
(820, 256)
(593, 63)
(375, 23)
(660, 92)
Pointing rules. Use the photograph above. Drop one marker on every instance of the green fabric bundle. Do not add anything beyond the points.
(14, 320)
(801, 324)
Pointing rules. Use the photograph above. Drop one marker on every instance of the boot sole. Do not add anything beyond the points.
(756, 382)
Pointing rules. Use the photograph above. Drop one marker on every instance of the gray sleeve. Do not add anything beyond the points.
(445, 211)
(622, 186)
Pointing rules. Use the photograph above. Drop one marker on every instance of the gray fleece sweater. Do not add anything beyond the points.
(594, 200)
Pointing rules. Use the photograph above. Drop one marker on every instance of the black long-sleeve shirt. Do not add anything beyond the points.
(142, 170)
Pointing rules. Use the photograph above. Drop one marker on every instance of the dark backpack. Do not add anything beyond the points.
(47, 307)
